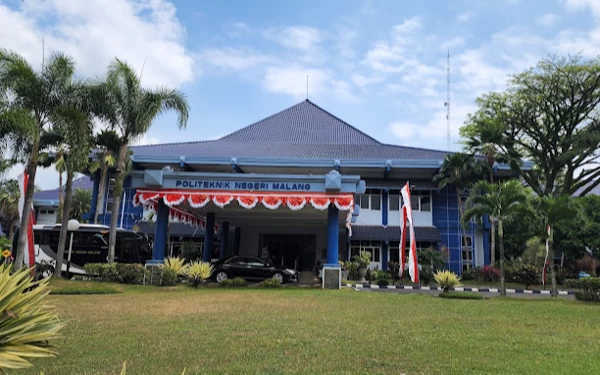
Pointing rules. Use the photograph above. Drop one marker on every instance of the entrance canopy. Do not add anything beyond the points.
(294, 201)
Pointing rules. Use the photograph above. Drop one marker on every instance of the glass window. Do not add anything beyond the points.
(467, 242)
(376, 201)
(237, 260)
(414, 202)
(256, 262)
(426, 203)
(394, 199)
(364, 202)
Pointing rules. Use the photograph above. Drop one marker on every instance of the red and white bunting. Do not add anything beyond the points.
(247, 200)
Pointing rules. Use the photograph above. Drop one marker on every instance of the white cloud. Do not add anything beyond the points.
(296, 37)
(345, 38)
(235, 59)
(465, 17)
(452, 43)
(94, 32)
(547, 19)
(594, 5)
(362, 81)
(291, 80)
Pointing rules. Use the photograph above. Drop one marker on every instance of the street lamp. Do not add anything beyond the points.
(72, 226)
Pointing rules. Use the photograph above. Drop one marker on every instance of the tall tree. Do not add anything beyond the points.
(484, 135)
(107, 144)
(502, 202)
(554, 211)
(133, 110)
(550, 116)
(458, 170)
(9, 205)
(82, 200)
(30, 100)
(74, 122)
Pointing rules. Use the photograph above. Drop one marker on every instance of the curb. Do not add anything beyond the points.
(461, 289)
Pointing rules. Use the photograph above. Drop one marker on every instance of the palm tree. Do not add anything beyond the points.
(74, 123)
(457, 170)
(553, 211)
(29, 103)
(485, 136)
(82, 200)
(133, 109)
(9, 205)
(107, 143)
(501, 202)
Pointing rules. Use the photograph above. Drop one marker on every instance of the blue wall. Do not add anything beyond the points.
(132, 214)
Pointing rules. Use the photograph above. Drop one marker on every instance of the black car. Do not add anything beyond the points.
(252, 268)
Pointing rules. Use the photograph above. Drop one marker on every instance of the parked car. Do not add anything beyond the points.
(252, 268)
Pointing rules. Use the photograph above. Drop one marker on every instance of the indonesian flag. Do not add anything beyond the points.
(402, 240)
(29, 256)
(549, 231)
(413, 265)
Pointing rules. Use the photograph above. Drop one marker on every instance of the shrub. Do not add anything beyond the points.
(460, 295)
(130, 273)
(74, 288)
(176, 264)
(198, 271)
(490, 274)
(380, 278)
(352, 270)
(363, 259)
(237, 282)
(26, 325)
(168, 276)
(190, 252)
(425, 275)
(102, 271)
(590, 287)
(270, 283)
(527, 275)
(43, 270)
(446, 280)
(394, 270)
(472, 274)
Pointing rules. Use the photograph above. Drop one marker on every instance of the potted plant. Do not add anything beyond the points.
(363, 259)
(345, 270)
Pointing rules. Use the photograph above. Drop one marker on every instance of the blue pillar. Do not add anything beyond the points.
(95, 190)
(384, 207)
(236, 240)
(384, 255)
(160, 232)
(224, 238)
(333, 234)
(209, 233)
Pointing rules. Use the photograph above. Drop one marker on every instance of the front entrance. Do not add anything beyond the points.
(295, 251)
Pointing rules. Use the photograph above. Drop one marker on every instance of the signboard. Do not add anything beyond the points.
(240, 185)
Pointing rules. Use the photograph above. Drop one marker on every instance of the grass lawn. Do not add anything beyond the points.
(294, 330)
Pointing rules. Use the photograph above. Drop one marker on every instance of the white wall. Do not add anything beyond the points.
(46, 218)
(479, 257)
(421, 219)
(369, 217)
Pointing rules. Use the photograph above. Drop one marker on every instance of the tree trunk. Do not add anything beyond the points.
(60, 198)
(501, 246)
(462, 225)
(11, 231)
(554, 292)
(27, 207)
(101, 189)
(62, 239)
(117, 191)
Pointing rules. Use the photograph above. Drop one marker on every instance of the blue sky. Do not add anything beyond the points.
(379, 65)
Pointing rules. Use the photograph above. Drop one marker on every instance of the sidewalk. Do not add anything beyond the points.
(461, 289)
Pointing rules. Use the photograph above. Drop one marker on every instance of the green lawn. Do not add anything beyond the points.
(294, 330)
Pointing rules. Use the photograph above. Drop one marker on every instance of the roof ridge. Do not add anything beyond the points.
(174, 143)
(419, 148)
(345, 123)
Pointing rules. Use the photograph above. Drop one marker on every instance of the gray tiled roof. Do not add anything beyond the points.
(392, 233)
(81, 183)
(302, 131)
(383, 183)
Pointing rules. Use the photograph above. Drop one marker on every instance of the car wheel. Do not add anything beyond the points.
(278, 277)
(222, 275)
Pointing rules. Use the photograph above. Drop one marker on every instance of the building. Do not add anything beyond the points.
(301, 188)
(45, 202)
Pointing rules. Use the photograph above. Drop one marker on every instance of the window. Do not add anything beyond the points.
(237, 261)
(371, 200)
(373, 247)
(467, 252)
(109, 196)
(394, 199)
(256, 262)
